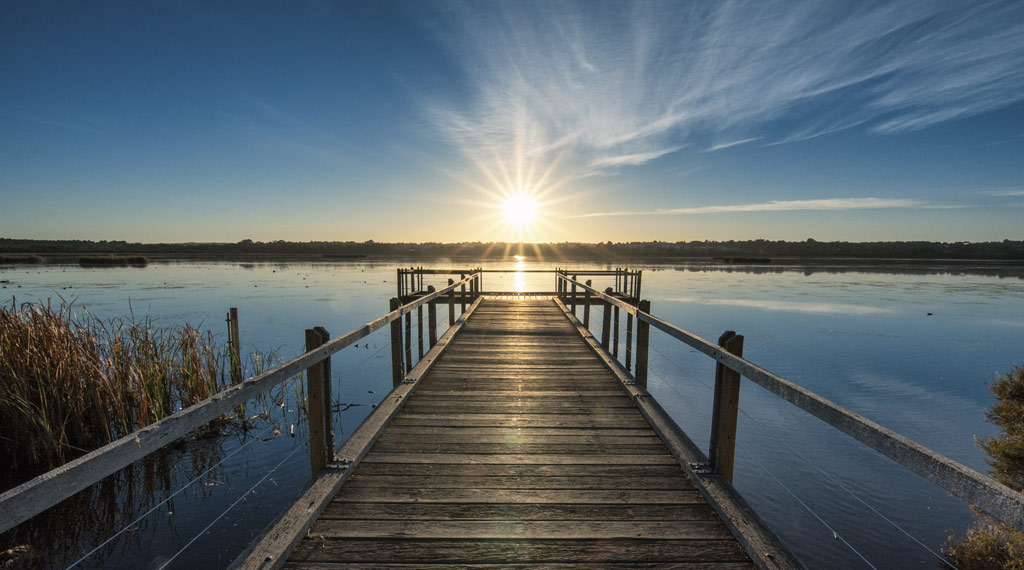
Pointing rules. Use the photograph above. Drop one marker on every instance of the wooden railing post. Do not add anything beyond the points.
(451, 303)
(586, 307)
(318, 404)
(629, 340)
(234, 346)
(432, 317)
(408, 341)
(615, 331)
(726, 409)
(397, 366)
(419, 330)
(462, 296)
(643, 340)
(574, 295)
(606, 321)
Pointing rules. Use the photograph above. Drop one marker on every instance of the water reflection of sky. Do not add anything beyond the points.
(789, 306)
(861, 338)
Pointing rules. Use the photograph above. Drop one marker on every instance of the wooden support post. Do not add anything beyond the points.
(606, 321)
(419, 330)
(408, 342)
(615, 332)
(643, 341)
(432, 317)
(462, 296)
(318, 404)
(451, 303)
(325, 337)
(234, 347)
(574, 295)
(726, 409)
(397, 367)
(586, 307)
(629, 340)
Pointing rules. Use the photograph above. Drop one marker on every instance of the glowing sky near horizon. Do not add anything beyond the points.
(418, 121)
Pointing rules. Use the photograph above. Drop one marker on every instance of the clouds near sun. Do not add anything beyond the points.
(598, 86)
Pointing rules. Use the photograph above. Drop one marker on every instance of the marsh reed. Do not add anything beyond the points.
(71, 382)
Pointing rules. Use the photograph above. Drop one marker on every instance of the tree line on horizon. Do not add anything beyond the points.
(759, 249)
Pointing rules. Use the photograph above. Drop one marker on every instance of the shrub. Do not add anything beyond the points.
(998, 546)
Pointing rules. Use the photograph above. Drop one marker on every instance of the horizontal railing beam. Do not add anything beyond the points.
(959, 480)
(33, 497)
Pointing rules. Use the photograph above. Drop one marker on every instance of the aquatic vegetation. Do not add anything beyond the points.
(71, 382)
(21, 259)
(113, 261)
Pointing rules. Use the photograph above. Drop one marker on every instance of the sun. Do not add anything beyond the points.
(519, 210)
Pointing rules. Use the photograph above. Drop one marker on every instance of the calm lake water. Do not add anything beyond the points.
(908, 345)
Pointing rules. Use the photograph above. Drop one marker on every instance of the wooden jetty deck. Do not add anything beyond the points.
(517, 439)
(519, 447)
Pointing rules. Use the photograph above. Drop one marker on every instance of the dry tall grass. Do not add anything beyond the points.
(70, 382)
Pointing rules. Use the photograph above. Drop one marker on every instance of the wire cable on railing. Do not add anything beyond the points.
(834, 480)
(231, 506)
(835, 533)
(764, 430)
(131, 525)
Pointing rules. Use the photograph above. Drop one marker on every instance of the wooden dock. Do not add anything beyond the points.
(520, 447)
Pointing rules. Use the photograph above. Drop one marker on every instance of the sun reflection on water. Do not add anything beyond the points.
(519, 278)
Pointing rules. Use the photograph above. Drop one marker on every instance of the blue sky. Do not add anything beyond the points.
(414, 121)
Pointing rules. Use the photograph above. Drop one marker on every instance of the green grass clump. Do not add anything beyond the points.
(70, 383)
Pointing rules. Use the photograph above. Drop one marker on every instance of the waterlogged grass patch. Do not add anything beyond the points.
(71, 382)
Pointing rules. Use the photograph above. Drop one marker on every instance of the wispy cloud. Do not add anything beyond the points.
(599, 85)
(730, 144)
(1009, 193)
(774, 206)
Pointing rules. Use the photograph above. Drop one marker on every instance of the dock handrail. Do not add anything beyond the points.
(35, 496)
(959, 480)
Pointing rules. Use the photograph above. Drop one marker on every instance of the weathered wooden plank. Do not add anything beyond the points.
(472, 436)
(519, 551)
(532, 566)
(605, 530)
(517, 458)
(519, 511)
(520, 447)
(630, 496)
(679, 481)
(527, 392)
(518, 408)
(511, 398)
(510, 420)
(442, 431)
(519, 470)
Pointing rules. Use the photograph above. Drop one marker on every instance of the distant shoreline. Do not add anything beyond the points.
(18, 251)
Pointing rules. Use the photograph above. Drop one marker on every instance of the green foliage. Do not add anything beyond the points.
(996, 546)
(1006, 451)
